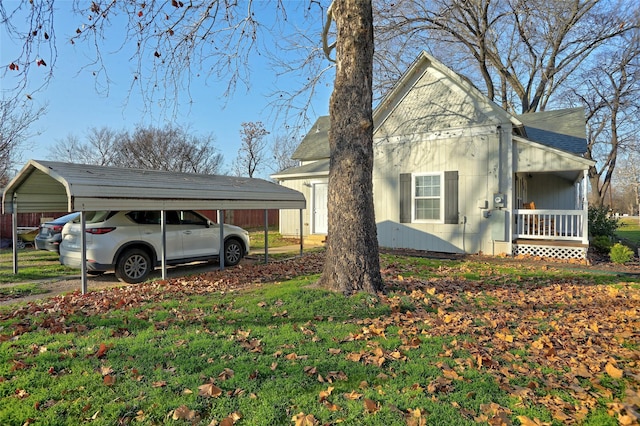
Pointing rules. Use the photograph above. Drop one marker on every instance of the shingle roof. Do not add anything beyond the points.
(319, 167)
(315, 144)
(564, 129)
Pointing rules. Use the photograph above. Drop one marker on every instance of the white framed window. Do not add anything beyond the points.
(427, 197)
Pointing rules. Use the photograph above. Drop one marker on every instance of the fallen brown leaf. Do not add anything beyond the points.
(612, 371)
(302, 419)
(184, 413)
(210, 390)
(371, 406)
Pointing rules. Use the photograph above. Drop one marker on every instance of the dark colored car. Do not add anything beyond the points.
(50, 235)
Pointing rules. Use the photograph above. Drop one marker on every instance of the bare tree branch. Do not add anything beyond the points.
(16, 120)
(170, 148)
(251, 155)
(528, 48)
(610, 90)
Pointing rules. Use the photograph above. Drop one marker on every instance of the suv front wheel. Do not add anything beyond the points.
(133, 266)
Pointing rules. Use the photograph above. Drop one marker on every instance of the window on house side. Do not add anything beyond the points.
(427, 197)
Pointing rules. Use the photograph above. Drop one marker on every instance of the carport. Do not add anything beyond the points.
(55, 186)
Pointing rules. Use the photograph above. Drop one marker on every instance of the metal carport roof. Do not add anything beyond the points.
(54, 186)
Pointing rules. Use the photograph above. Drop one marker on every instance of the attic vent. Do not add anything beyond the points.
(318, 129)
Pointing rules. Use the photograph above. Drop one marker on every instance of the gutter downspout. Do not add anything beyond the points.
(509, 193)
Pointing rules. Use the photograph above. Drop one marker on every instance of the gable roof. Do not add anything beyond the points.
(430, 96)
(43, 186)
(454, 101)
(403, 109)
(315, 145)
(564, 129)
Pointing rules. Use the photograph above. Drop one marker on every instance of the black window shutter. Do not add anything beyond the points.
(451, 197)
(405, 197)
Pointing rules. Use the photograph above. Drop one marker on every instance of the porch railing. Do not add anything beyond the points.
(543, 224)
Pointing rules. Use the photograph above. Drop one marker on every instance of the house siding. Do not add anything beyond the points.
(290, 219)
(563, 197)
(474, 154)
(448, 107)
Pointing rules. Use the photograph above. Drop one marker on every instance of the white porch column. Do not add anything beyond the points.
(585, 208)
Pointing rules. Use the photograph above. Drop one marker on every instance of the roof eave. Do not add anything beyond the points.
(573, 156)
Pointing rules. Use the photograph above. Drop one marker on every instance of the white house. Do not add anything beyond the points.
(454, 172)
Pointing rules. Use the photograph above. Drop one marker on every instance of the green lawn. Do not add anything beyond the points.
(33, 265)
(452, 343)
(274, 238)
(629, 230)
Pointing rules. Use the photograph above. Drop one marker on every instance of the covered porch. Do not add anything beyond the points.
(550, 216)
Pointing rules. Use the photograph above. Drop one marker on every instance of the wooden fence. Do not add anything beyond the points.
(244, 218)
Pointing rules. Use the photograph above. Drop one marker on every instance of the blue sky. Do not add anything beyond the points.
(74, 105)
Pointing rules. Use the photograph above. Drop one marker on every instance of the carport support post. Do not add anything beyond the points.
(266, 236)
(163, 232)
(83, 251)
(301, 234)
(221, 247)
(14, 233)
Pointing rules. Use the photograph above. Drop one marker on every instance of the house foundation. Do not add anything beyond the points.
(564, 250)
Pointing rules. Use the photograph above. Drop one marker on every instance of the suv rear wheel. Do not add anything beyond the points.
(233, 251)
(134, 265)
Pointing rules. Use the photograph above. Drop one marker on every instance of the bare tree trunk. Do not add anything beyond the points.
(352, 262)
(597, 193)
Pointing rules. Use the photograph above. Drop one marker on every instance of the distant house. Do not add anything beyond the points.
(453, 172)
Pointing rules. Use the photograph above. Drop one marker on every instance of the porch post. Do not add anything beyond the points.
(585, 209)
(510, 191)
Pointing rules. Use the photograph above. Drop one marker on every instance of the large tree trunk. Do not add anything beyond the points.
(352, 262)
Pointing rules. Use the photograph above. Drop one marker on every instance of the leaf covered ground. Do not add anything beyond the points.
(452, 342)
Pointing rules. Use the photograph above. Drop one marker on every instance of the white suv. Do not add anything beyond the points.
(129, 242)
